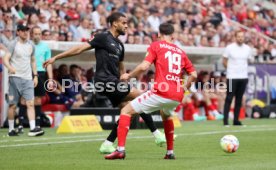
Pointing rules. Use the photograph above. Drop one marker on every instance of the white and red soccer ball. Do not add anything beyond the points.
(229, 143)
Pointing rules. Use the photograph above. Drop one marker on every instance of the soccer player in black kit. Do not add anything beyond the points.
(109, 52)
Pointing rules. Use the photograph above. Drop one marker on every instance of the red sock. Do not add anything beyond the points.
(211, 107)
(169, 131)
(123, 128)
(189, 111)
(215, 103)
(206, 109)
(177, 109)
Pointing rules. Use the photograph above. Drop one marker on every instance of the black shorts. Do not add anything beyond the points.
(40, 89)
(115, 91)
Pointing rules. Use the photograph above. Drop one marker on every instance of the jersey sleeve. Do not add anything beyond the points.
(151, 54)
(97, 41)
(48, 53)
(188, 65)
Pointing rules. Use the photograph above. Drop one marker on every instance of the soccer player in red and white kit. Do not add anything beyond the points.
(170, 63)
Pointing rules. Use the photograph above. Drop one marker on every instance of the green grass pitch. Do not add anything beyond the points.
(196, 147)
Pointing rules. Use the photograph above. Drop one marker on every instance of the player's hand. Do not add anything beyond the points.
(50, 61)
(124, 76)
(35, 81)
(51, 84)
(11, 70)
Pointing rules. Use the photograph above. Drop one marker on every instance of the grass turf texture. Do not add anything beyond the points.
(196, 147)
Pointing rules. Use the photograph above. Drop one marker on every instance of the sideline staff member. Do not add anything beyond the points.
(235, 60)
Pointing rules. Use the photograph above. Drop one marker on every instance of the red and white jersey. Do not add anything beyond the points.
(170, 63)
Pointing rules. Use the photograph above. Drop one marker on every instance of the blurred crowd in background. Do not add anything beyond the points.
(201, 23)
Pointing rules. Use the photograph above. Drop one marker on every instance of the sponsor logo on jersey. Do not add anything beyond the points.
(170, 77)
(113, 55)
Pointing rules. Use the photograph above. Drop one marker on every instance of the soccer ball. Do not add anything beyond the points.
(229, 143)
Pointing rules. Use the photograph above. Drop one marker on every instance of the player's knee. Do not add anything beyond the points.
(12, 106)
(164, 115)
(128, 110)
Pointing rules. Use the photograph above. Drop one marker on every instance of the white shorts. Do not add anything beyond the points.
(149, 102)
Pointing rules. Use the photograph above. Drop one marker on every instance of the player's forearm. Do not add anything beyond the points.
(74, 51)
(33, 63)
(192, 78)
(140, 69)
(68, 53)
(224, 62)
(3, 48)
(6, 60)
(50, 71)
(137, 71)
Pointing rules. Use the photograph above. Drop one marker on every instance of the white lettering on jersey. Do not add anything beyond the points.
(170, 77)
(171, 48)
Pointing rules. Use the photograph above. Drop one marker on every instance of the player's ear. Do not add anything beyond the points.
(115, 23)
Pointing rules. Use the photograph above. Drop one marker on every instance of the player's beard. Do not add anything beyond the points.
(121, 32)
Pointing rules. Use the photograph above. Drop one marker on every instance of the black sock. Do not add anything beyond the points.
(113, 134)
(147, 119)
(149, 122)
(37, 115)
(21, 114)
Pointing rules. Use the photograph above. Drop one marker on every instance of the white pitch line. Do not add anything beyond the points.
(55, 138)
(101, 135)
(133, 137)
(50, 143)
(227, 131)
(49, 138)
(260, 126)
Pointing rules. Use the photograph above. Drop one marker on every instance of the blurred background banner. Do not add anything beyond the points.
(1, 91)
(262, 79)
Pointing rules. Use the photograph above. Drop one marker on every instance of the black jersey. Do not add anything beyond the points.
(109, 51)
